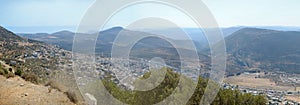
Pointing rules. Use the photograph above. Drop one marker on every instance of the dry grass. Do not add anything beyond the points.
(31, 77)
(10, 75)
(293, 98)
(75, 98)
(57, 85)
(73, 94)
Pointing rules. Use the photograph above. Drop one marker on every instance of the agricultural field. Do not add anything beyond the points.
(293, 97)
(252, 81)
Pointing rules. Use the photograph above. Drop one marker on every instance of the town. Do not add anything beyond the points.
(53, 62)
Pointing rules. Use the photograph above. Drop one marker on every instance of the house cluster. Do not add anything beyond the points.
(283, 78)
(41, 59)
(46, 52)
(123, 71)
(274, 97)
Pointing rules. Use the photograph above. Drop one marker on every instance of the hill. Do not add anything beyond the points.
(23, 54)
(262, 49)
(8, 35)
(170, 85)
(37, 62)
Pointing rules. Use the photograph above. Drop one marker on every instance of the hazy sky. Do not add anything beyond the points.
(42, 12)
(227, 12)
(256, 12)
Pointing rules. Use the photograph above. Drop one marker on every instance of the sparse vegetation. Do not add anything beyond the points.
(31, 77)
(56, 85)
(10, 75)
(5, 72)
(2, 71)
(72, 96)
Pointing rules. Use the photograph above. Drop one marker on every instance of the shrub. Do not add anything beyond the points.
(1, 71)
(10, 70)
(72, 96)
(5, 71)
(56, 85)
(31, 77)
(18, 72)
(9, 75)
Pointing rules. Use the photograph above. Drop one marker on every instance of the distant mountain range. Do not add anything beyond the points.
(146, 48)
(247, 48)
(64, 39)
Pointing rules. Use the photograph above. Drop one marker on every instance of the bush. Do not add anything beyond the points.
(19, 72)
(31, 77)
(10, 75)
(5, 71)
(72, 96)
(1, 71)
(10, 70)
(56, 85)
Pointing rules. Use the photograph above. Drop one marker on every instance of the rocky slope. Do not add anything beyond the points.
(16, 91)
(38, 63)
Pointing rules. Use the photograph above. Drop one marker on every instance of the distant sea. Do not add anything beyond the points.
(40, 29)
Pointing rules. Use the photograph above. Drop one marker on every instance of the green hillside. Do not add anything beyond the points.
(167, 87)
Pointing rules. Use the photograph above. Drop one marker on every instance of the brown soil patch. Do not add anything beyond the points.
(16, 91)
(293, 98)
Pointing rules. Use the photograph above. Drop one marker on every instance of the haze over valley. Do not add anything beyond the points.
(194, 52)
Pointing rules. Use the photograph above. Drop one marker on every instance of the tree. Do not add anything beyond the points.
(18, 72)
(167, 87)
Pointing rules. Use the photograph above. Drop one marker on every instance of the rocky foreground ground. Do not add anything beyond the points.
(16, 91)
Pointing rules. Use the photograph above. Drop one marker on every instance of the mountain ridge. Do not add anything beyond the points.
(248, 48)
(267, 50)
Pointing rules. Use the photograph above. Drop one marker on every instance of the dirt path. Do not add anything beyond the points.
(16, 91)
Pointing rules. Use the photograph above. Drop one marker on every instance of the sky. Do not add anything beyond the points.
(33, 15)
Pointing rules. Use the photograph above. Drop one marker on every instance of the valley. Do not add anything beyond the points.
(50, 59)
(149, 52)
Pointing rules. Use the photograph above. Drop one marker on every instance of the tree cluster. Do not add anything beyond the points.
(167, 87)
